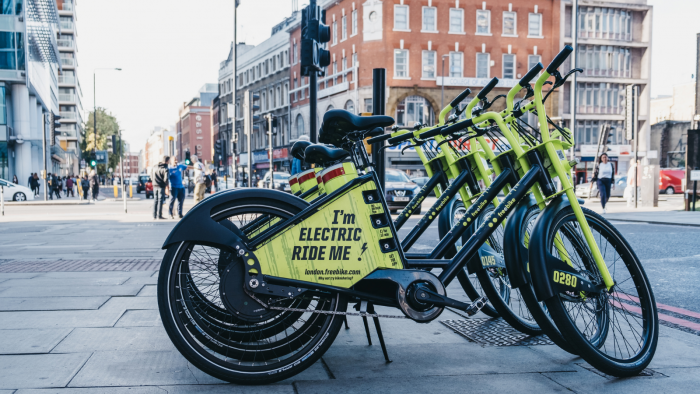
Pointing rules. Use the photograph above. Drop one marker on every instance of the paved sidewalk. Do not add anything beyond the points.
(100, 332)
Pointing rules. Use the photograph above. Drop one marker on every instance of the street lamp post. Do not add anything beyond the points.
(442, 91)
(94, 107)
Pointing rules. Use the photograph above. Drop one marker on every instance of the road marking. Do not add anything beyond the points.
(667, 318)
(673, 309)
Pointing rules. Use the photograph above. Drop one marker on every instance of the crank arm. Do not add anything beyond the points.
(425, 296)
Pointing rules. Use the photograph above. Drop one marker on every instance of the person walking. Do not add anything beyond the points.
(604, 176)
(159, 174)
(15, 180)
(199, 185)
(94, 184)
(69, 186)
(177, 188)
(54, 186)
(85, 186)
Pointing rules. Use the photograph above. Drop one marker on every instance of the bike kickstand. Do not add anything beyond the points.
(379, 333)
(345, 318)
(363, 311)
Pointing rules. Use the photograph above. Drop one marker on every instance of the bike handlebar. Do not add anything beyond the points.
(454, 103)
(483, 92)
(559, 59)
(400, 138)
(379, 138)
(524, 81)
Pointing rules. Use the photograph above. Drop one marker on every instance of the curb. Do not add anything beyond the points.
(649, 222)
(28, 203)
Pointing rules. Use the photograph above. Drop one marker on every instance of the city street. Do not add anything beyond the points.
(78, 313)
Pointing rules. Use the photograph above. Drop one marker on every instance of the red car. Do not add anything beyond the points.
(149, 189)
(671, 180)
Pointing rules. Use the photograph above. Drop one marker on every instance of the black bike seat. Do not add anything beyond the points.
(337, 123)
(298, 149)
(321, 154)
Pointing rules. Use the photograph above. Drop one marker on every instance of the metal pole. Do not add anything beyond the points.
(695, 192)
(2, 199)
(121, 164)
(574, 61)
(234, 95)
(43, 140)
(442, 89)
(269, 150)
(636, 145)
(313, 85)
(378, 108)
(94, 114)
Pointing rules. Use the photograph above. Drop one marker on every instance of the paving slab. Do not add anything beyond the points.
(142, 280)
(19, 275)
(31, 341)
(58, 319)
(139, 369)
(115, 339)
(97, 274)
(53, 282)
(675, 353)
(52, 303)
(149, 291)
(140, 318)
(124, 303)
(354, 362)
(183, 389)
(39, 370)
(64, 291)
(532, 383)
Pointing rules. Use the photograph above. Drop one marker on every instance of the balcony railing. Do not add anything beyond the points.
(67, 133)
(66, 25)
(66, 6)
(66, 79)
(58, 153)
(69, 115)
(65, 43)
(67, 97)
(67, 61)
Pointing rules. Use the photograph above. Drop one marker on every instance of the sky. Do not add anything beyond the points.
(168, 49)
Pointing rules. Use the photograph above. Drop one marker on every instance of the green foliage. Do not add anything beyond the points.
(107, 126)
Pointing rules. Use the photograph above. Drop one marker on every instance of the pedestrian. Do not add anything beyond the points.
(30, 181)
(85, 186)
(604, 176)
(199, 172)
(214, 181)
(69, 186)
(54, 186)
(159, 174)
(15, 180)
(59, 189)
(94, 184)
(177, 188)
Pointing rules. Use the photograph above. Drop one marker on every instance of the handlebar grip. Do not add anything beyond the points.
(431, 133)
(524, 81)
(454, 103)
(379, 138)
(483, 92)
(559, 59)
(400, 138)
(457, 127)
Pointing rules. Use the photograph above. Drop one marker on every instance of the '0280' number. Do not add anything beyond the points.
(565, 279)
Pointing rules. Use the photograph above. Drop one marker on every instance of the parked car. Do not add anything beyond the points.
(141, 186)
(148, 187)
(618, 191)
(671, 180)
(281, 181)
(399, 190)
(15, 192)
(421, 181)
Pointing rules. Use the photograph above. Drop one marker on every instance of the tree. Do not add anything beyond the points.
(107, 126)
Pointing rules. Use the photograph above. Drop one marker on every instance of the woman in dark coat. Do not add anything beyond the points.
(604, 175)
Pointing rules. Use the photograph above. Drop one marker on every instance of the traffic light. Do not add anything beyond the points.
(188, 161)
(56, 125)
(314, 32)
(93, 163)
(217, 147)
(254, 109)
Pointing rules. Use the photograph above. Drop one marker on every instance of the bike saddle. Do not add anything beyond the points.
(321, 154)
(338, 123)
(298, 149)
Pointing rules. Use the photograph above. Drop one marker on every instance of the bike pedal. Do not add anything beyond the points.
(476, 306)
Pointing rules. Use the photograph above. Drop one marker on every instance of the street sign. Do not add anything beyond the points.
(101, 157)
(82, 163)
(695, 175)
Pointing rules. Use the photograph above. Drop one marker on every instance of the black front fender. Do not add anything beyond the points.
(514, 252)
(538, 250)
(198, 225)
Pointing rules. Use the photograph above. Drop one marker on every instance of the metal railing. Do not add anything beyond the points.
(69, 115)
(67, 79)
(67, 6)
(67, 97)
(65, 43)
(67, 61)
(66, 25)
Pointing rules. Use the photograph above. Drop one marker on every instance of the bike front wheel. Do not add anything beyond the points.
(615, 331)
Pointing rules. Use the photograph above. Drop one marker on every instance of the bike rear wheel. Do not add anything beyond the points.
(615, 331)
(222, 329)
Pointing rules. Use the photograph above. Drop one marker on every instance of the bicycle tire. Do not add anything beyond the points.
(631, 297)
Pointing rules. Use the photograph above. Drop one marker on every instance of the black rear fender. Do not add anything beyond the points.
(514, 252)
(198, 224)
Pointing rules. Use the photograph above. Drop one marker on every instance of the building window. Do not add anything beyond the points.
(350, 106)
(344, 28)
(368, 105)
(509, 66)
(534, 25)
(414, 109)
(430, 19)
(483, 22)
(532, 60)
(456, 64)
(400, 63)
(482, 65)
(354, 23)
(510, 24)
(428, 65)
(456, 20)
(400, 17)
(335, 32)
(300, 127)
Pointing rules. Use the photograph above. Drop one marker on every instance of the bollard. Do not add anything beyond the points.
(2, 199)
(131, 191)
(116, 191)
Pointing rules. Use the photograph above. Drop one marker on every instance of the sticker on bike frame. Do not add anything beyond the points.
(565, 279)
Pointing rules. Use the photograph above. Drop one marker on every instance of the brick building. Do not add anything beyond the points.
(194, 124)
(476, 40)
(131, 165)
